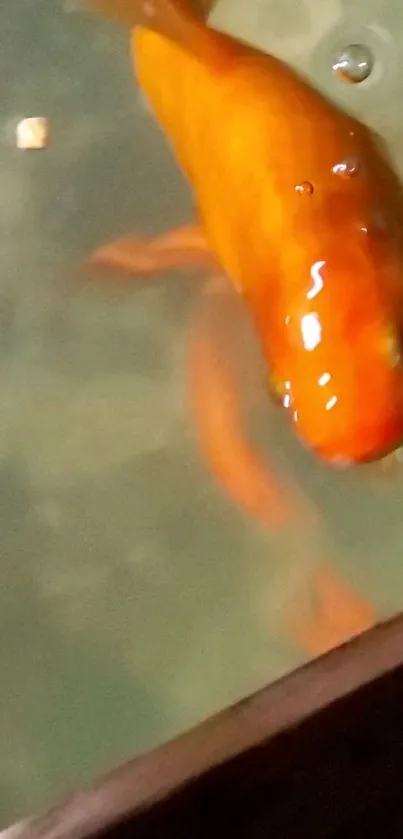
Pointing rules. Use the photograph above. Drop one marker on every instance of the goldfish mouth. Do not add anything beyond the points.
(355, 445)
(374, 455)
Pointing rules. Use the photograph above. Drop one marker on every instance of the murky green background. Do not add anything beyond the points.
(135, 599)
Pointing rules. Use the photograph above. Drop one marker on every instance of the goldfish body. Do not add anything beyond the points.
(304, 213)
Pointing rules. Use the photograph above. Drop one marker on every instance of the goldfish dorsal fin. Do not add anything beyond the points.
(169, 17)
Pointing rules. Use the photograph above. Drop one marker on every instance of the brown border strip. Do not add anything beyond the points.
(148, 779)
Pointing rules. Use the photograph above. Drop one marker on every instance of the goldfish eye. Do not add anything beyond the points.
(392, 346)
(381, 227)
(380, 222)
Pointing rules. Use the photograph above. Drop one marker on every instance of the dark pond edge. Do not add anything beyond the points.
(143, 783)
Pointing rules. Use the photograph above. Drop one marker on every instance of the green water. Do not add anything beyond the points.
(135, 599)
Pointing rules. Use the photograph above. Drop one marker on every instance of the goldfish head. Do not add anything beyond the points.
(340, 347)
(342, 380)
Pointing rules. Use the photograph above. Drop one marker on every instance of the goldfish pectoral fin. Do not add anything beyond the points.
(134, 256)
(216, 406)
(338, 615)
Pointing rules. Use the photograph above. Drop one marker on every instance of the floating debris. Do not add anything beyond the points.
(32, 133)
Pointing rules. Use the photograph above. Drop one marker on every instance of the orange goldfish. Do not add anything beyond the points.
(303, 212)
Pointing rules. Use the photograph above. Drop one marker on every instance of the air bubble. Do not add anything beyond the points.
(305, 188)
(354, 64)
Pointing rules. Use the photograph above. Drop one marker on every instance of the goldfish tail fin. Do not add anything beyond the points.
(338, 615)
(216, 408)
(169, 17)
(133, 256)
(337, 612)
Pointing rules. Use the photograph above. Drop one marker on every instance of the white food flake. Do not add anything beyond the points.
(32, 133)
